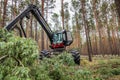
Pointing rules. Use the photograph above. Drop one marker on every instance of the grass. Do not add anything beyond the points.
(103, 68)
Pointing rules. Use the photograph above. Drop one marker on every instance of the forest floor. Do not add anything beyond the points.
(104, 68)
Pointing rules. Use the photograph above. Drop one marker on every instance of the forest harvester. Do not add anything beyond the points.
(59, 39)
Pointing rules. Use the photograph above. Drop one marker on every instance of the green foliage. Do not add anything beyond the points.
(4, 35)
(19, 54)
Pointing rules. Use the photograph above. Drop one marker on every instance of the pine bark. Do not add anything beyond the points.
(4, 12)
(42, 31)
(62, 13)
(89, 47)
(117, 2)
(47, 21)
(77, 31)
(97, 26)
(0, 14)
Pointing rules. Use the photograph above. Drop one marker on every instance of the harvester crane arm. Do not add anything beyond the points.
(37, 14)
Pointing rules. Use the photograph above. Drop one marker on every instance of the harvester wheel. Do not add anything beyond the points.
(76, 56)
(44, 53)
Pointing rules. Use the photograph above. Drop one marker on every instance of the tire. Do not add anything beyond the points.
(44, 53)
(76, 56)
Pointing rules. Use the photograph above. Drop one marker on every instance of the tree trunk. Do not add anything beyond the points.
(27, 28)
(47, 40)
(109, 40)
(4, 12)
(115, 36)
(36, 31)
(42, 31)
(15, 9)
(31, 22)
(118, 37)
(117, 2)
(0, 14)
(97, 26)
(31, 26)
(62, 13)
(77, 30)
(12, 10)
(89, 47)
(96, 44)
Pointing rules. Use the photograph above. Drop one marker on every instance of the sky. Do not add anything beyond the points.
(57, 10)
(58, 5)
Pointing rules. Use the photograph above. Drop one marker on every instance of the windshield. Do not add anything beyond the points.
(57, 38)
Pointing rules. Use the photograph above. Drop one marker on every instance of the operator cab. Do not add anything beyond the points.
(61, 39)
